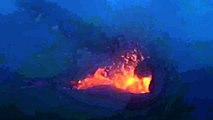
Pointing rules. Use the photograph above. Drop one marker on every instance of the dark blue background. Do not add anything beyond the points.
(43, 40)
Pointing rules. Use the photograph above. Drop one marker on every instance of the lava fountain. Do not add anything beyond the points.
(120, 75)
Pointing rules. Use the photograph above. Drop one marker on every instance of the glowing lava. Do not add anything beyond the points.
(121, 75)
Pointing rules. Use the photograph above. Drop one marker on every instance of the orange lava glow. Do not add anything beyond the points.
(121, 75)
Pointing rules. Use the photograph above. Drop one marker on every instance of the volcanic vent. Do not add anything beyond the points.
(121, 75)
(133, 78)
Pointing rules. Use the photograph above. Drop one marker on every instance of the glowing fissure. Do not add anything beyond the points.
(121, 75)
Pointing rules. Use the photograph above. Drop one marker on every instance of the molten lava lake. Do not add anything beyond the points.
(120, 75)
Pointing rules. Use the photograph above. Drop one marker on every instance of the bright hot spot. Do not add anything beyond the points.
(120, 75)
